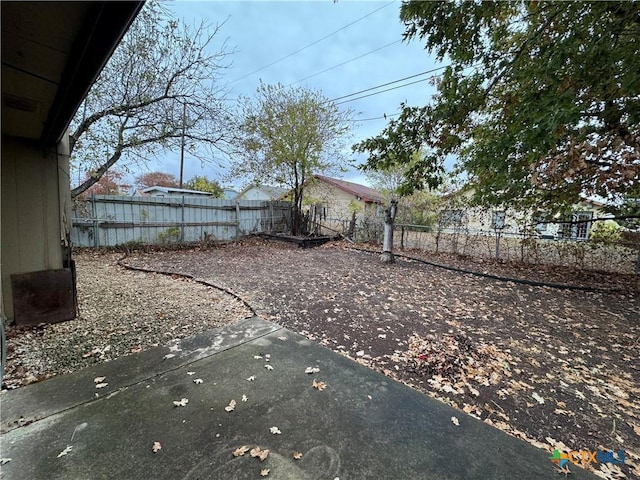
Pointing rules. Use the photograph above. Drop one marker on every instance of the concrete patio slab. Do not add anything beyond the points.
(361, 426)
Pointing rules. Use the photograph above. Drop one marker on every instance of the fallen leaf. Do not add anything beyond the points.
(264, 472)
(168, 356)
(257, 357)
(251, 378)
(240, 451)
(191, 373)
(537, 398)
(560, 411)
(311, 370)
(318, 385)
(268, 367)
(101, 385)
(99, 379)
(360, 353)
(297, 455)
(244, 398)
(258, 453)
(175, 348)
(4, 461)
(65, 451)
(137, 349)
(198, 381)
(182, 403)
(455, 421)
(282, 338)
(275, 430)
(156, 447)
(231, 407)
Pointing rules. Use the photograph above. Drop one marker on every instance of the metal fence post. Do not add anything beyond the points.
(96, 231)
(182, 223)
(237, 220)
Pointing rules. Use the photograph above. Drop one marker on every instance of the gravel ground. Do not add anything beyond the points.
(556, 368)
(121, 312)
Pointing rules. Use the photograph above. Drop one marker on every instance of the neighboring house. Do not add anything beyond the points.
(174, 192)
(332, 203)
(229, 194)
(512, 222)
(261, 192)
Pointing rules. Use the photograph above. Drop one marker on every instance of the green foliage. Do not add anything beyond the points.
(541, 102)
(285, 136)
(605, 232)
(203, 184)
(158, 91)
(354, 207)
(170, 234)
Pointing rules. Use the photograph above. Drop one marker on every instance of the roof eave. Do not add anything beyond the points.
(104, 27)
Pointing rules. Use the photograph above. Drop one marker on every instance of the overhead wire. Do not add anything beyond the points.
(385, 90)
(344, 63)
(391, 83)
(313, 43)
(385, 116)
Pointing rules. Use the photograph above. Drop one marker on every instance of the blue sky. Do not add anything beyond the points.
(262, 32)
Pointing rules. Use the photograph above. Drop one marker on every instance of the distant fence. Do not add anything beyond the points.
(112, 220)
(621, 256)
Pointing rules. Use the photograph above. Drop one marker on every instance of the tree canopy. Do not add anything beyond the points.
(156, 179)
(285, 136)
(540, 102)
(111, 183)
(159, 88)
(203, 184)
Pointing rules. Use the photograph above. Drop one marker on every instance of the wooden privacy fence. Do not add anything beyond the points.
(112, 220)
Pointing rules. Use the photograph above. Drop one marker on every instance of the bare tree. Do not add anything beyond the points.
(160, 90)
(286, 136)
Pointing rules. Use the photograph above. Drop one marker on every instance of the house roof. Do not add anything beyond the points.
(273, 192)
(367, 194)
(175, 190)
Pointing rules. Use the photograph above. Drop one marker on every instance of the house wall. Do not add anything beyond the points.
(517, 223)
(254, 193)
(340, 206)
(35, 207)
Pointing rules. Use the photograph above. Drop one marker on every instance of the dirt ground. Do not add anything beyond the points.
(557, 368)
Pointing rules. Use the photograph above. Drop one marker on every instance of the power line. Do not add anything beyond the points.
(313, 43)
(391, 83)
(386, 90)
(376, 118)
(344, 63)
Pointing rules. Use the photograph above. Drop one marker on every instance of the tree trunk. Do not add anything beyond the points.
(387, 245)
(352, 226)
